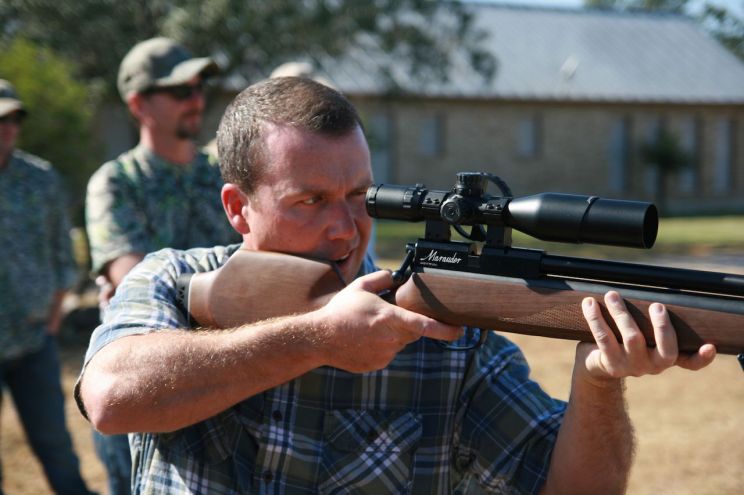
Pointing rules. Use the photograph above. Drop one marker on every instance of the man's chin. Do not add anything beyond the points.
(188, 130)
(350, 269)
(187, 135)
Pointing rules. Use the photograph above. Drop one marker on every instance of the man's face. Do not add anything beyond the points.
(175, 111)
(310, 198)
(10, 128)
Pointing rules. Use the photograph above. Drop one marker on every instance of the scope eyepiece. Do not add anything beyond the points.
(548, 216)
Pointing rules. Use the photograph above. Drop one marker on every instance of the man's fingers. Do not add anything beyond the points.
(633, 340)
(702, 358)
(666, 351)
(606, 340)
(375, 282)
(423, 326)
(633, 357)
(418, 325)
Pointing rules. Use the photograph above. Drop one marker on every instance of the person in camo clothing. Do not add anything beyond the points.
(162, 193)
(356, 396)
(36, 268)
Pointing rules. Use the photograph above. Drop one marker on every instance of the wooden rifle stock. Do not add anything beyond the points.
(254, 286)
(552, 308)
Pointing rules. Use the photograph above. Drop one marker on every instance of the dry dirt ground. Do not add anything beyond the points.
(688, 426)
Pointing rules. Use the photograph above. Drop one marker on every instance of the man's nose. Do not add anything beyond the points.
(343, 222)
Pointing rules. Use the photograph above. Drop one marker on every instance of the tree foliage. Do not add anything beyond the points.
(666, 154)
(250, 38)
(726, 27)
(58, 126)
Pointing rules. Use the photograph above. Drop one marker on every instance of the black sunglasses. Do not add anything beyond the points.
(180, 92)
(13, 118)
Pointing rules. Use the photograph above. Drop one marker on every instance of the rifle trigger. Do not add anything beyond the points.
(399, 275)
(387, 295)
(740, 357)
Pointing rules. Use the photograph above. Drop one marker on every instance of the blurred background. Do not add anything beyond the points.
(635, 99)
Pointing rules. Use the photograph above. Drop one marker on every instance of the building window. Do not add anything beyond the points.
(529, 132)
(689, 133)
(379, 132)
(619, 155)
(651, 171)
(431, 136)
(724, 156)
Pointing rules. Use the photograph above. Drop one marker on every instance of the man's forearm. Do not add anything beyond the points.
(116, 270)
(594, 450)
(168, 380)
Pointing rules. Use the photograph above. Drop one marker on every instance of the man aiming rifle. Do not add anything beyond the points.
(357, 395)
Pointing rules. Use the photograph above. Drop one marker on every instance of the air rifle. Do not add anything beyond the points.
(484, 282)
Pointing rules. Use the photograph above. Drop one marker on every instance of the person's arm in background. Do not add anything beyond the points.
(594, 449)
(54, 320)
(63, 262)
(112, 274)
(115, 228)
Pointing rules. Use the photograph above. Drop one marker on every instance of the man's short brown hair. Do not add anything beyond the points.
(293, 101)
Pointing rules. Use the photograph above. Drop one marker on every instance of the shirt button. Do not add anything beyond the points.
(268, 477)
(277, 415)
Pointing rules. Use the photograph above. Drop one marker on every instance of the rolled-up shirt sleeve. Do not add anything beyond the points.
(145, 301)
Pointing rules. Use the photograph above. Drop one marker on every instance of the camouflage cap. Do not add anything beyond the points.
(159, 62)
(9, 101)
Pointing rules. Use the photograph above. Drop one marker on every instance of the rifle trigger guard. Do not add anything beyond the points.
(399, 275)
(740, 357)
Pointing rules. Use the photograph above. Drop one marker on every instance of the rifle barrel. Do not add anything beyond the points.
(635, 273)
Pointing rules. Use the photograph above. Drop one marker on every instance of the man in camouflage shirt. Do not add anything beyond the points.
(162, 193)
(36, 268)
(356, 396)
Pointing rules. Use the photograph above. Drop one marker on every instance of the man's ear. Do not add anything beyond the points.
(135, 102)
(234, 201)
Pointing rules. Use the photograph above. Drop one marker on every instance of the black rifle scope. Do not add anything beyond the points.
(548, 216)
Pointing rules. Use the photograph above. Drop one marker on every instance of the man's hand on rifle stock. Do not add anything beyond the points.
(364, 333)
(610, 359)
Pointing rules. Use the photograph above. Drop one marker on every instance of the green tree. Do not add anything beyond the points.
(251, 37)
(665, 154)
(726, 27)
(58, 126)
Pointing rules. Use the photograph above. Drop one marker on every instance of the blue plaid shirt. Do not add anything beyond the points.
(433, 421)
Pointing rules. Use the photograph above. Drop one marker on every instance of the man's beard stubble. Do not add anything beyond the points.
(187, 127)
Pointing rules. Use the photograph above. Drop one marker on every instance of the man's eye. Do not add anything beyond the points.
(311, 201)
